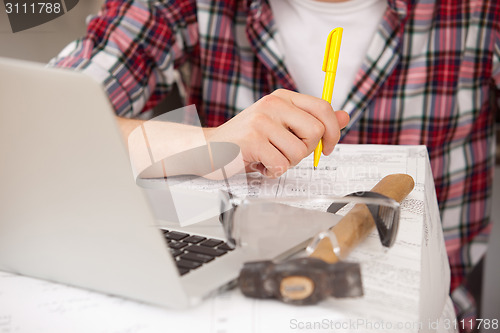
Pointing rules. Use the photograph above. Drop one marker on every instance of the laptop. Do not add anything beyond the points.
(71, 211)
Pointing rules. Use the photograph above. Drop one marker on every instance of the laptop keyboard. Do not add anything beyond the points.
(192, 251)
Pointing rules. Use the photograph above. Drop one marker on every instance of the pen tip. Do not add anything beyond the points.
(314, 168)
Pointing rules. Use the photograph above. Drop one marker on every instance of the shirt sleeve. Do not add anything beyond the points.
(133, 48)
(496, 62)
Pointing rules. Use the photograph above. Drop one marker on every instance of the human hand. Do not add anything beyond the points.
(279, 130)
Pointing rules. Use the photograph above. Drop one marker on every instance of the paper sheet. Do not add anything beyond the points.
(405, 288)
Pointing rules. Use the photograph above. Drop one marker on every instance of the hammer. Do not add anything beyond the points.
(308, 280)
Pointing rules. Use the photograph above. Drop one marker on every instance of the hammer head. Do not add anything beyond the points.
(301, 281)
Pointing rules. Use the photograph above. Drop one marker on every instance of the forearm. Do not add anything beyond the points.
(127, 125)
(273, 134)
(150, 142)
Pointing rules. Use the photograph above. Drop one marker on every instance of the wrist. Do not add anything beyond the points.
(209, 132)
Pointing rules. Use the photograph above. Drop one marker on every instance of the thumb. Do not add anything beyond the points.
(343, 118)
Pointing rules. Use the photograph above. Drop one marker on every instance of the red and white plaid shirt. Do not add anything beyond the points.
(426, 80)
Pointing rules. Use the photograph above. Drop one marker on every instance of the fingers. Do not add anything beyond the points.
(274, 162)
(273, 146)
(323, 112)
(287, 143)
(342, 117)
(289, 128)
(327, 122)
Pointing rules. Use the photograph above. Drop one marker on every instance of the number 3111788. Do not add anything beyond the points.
(33, 8)
(485, 324)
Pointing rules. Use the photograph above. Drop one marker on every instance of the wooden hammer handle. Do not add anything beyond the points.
(358, 223)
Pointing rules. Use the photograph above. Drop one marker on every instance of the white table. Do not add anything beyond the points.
(405, 288)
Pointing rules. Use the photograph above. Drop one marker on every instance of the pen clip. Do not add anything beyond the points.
(332, 50)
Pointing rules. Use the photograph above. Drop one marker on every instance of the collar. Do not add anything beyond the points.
(401, 7)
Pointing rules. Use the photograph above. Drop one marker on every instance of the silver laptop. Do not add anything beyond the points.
(70, 209)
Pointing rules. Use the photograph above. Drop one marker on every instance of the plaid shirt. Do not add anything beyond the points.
(425, 80)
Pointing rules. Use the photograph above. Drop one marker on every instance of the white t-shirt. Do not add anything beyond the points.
(304, 26)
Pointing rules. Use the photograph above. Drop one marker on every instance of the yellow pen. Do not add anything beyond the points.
(330, 62)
